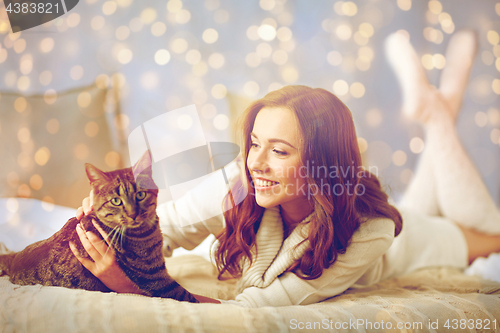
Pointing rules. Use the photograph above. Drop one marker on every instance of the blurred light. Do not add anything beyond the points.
(360, 39)
(252, 59)
(84, 99)
(208, 111)
(109, 7)
(174, 6)
(495, 136)
(12, 179)
(200, 68)
(23, 83)
(76, 72)
(493, 116)
(357, 90)
(221, 122)
(52, 126)
(158, 29)
(399, 157)
(97, 22)
(349, 8)
(210, 36)
(495, 86)
(50, 96)
(289, 74)
(216, 60)
(91, 129)
(334, 58)
(280, 57)
(36, 182)
(23, 159)
(340, 88)
(404, 4)
(374, 117)
(267, 4)
(193, 57)
(366, 29)
(149, 80)
(219, 91)
(264, 50)
(427, 61)
(497, 64)
(48, 204)
(179, 45)
(124, 3)
(284, 34)
(183, 16)
(337, 7)
(493, 37)
(12, 205)
(435, 7)
(266, 32)
(102, 81)
(433, 35)
(81, 151)
(122, 32)
(253, 32)
(251, 88)
(19, 45)
(162, 57)
(42, 156)
(10, 78)
(20, 104)
(416, 145)
(124, 56)
(24, 192)
(73, 20)
(148, 15)
(343, 31)
(184, 122)
(362, 145)
(438, 61)
(481, 119)
(366, 52)
(26, 64)
(285, 18)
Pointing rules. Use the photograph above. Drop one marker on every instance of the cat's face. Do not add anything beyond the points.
(120, 200)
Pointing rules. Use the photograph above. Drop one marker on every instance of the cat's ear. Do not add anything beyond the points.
(143, 166)
(94, 174)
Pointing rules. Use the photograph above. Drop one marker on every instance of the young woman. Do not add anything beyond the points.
(314, 222)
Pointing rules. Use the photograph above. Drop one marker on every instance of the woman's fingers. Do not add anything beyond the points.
(87, 263)
(87, 243)
(79, 213)
(87, 205)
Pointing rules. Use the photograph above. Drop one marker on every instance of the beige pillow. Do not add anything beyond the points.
(45, 140)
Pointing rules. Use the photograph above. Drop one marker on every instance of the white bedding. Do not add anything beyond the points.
(425, 296)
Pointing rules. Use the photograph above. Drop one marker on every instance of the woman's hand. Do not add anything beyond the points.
(86, 207)
(104, 267)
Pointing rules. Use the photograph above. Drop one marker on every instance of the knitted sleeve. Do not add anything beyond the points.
(362, 259)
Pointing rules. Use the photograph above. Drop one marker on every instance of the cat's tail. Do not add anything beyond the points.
(5, 262)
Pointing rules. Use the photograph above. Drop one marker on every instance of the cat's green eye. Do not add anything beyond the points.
(140, 195)
(116, 201)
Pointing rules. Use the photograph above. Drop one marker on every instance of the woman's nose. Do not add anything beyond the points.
(258, 162)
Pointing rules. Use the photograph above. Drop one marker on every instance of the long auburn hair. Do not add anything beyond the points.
(329, 140)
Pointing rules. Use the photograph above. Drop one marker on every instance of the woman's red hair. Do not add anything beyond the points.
(329, 140)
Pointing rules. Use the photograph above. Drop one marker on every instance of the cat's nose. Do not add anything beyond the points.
(131, 211)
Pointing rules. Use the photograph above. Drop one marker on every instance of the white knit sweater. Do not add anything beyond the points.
(264, 283)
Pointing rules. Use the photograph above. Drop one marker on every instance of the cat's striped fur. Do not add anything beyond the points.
(125, 208)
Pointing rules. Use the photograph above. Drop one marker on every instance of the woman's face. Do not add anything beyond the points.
(274, 161)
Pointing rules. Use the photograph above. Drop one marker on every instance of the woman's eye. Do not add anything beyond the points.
(140, 195)
(279, 152)
(253, 145)
(116, 201)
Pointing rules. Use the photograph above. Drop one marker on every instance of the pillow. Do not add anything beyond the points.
(45, 141)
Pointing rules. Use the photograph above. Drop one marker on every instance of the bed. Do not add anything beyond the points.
(427, 300)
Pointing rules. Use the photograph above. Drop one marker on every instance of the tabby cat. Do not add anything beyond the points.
(125, 207)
